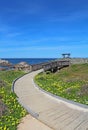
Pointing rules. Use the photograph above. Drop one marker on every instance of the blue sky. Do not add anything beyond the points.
(43, 28)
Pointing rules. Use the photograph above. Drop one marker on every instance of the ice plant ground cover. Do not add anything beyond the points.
(70, 83)
(13, 112)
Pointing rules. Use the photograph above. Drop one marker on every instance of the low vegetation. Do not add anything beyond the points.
(70, 82)
(10, 110)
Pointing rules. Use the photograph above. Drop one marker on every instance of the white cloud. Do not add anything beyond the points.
(46, 48)
(8, 31)
(13, 34)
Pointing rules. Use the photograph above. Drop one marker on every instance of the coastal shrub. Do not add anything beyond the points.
(83, 90)
(2, 83)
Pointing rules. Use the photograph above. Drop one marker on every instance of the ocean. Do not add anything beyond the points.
(30, 61)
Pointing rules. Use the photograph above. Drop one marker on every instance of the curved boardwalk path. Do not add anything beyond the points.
(55, 113)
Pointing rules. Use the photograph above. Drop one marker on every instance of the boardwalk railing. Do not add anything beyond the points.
(37, 66)
(52, 65)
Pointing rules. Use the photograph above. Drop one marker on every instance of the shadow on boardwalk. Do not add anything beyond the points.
(55, 113)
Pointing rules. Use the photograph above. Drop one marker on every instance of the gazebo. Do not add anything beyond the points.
(66, 55)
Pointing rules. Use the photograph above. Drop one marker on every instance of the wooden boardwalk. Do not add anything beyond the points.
(51, 65)
(55, 113)
(55, 65)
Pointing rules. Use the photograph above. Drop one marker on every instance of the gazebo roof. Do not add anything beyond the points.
(66, 54)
